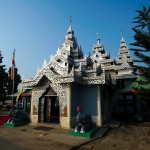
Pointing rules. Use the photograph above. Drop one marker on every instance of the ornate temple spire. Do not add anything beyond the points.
(70, 32)
(98, 52)
(70, 44)
(67, 55)
(98, 48)
(124, 55)
(123, 49)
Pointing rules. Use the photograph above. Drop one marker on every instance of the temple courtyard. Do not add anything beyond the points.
(126, 136)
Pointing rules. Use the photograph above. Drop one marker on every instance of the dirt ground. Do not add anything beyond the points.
(129, 136)
(126, 137)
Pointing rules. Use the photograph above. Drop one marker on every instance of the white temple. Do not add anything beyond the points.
(69, 80)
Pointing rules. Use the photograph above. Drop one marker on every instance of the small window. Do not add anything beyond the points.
(58, 60)
(52, 69)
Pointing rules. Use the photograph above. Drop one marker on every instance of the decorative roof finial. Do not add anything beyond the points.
(70, 19)
(98, 39)
(98, 35)
(122, 33)
(122, 39)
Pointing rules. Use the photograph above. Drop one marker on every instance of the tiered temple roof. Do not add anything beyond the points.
(124, 63)
(68, 65)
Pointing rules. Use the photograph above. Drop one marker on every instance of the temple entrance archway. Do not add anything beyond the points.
(51, 109)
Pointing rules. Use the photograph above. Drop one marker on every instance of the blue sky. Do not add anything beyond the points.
(36, 28)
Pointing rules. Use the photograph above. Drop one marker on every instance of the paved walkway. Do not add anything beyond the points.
(31, 137)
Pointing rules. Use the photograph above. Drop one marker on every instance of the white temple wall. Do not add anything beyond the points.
(89, 98)
(65, 118)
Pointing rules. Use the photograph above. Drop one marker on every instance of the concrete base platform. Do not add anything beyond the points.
(88, 134)
(15, 124)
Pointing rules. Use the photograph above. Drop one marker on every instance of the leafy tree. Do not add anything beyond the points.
(142, 40)
(3, 80)
(17, 81)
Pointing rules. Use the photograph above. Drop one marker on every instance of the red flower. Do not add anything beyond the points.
(78, 108)
(133, 91)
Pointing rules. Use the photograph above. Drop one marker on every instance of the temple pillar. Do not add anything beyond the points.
(99, 118)
(65, 118)
(69, 104)
(34, 118)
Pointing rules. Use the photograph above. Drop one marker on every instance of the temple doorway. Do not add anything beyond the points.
(51, 109)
